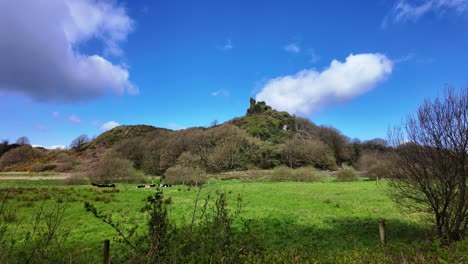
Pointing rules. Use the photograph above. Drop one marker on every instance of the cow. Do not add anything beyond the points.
(103, 185)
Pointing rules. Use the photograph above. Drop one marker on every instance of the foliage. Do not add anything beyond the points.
(20, 154)
(120, 133)
(346, 175)
(264, 123)
(430, 165)
(42, 166)
(184, 175)
(131, 149)
(300, 152)
(112, 168)
(306, 174)
(45, 241)
(209, 236)
(377, 164)
(5, 147)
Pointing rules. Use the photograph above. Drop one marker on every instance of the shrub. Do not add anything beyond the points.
(76, 179)
(299, 152)
(376, 164)
(103, 198)
(346, 175)
(184, 175)
(112, 168)
(305, 174)
(41, 166)
(64, 167)
(19, 154)
(38, 167)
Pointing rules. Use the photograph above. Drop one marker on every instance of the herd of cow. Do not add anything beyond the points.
(104, 185)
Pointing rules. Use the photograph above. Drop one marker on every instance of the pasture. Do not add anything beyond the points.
(324, 217)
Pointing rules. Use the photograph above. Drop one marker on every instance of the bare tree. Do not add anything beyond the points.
(430, 163)
(23, 141)
(79, 142)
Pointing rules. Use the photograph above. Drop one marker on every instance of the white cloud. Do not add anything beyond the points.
(221, 92)
(57, 147)
(293, 48)
(50, 147)
(308, 90)
(405, 10)
(40, 49)
(75, 119)
(97, 19)
(109, 125)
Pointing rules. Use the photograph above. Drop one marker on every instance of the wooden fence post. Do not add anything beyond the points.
(105, 257)
(383, 234)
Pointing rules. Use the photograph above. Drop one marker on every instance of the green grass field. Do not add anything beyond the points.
(326, 216)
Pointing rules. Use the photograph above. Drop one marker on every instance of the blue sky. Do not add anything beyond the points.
(74, 67)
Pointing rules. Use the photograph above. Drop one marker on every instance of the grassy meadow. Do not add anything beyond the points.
(324, 217)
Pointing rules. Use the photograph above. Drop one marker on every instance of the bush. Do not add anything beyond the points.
(19, 154)
(184, 175)
(376, 164)
(38, 167)
(305, 174)
(42, 166)
(77, 179)
(112, 168)
(64, 167)
(346, 175)
(210, 237)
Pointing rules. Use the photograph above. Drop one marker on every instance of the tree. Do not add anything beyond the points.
(79, 142)
(430, 163)
(300, 152)
(19, 154)
(337, 142)
(23, 141)
(112, 168)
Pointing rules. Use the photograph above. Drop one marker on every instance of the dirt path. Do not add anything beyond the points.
(32, 177)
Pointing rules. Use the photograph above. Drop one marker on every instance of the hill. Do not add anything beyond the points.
(263, 138)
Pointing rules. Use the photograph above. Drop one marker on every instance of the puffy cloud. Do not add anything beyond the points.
(308, 90)
(404, 10)
(109, 125)
(74, 119)
(293, 48)
(50, 147)
(40, 49)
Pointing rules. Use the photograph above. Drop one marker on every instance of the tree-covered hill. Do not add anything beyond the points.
(264, 138)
